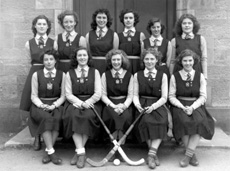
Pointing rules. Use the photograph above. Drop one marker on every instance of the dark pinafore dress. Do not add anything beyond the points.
(99, 48)
(163, 49)
(81, 121)
(65, 49)
(154, 125)
(132, 47)
(36, 64)
(200, 122)
(117, 91)
(192, 44)
(40, 120)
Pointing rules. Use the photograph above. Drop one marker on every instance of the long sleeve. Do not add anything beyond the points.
(115, 41)
(173, 56)
(97, 89)
(169, 54)
(164, 93)
(69, 93)
(172, 93)
(87, 41)
(142, 37)
(62, 98)
(55, 43)
(129, 97)
(204, 56)
(136, 100)
(104, 96)
(82, 42)
(34, 90)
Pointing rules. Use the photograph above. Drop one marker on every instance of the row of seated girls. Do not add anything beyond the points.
(109, 72)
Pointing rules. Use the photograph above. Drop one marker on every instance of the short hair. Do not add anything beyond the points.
(101, 11)
(65, 13)
(74, 62)
(52, 52)
(125, 11)
(125, 61)
(151, 22)
(35, 20)
(196, 25)
(152, 51)
(187, 52)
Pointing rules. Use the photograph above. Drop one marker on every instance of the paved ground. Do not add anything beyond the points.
(213, 156)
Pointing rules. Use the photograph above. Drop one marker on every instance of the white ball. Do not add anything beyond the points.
(116, 162)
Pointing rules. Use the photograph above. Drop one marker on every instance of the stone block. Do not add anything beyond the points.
(211, 14)
(57, 27)
(210, 49)
(222, 4)
(201, 4)
(49, 4)
(11, 15)
(6, 38)
(17, 5)
(31, 14)
(15, 69)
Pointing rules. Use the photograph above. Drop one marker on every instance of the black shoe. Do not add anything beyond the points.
(156, 160)
(194, 161)
(55, 159)
(37, 143)
(185, 161)
(151, 162)
(74, 159)
(46, 159)
(81, 161)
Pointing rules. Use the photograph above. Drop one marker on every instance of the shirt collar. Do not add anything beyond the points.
(53, 71)
(190, 34)
(185, 73)
(160, 38)
(146, 71)
(45, 37)
(104, 30)
(133, 30)
(72, 33)
(114, 71)
(86, 68)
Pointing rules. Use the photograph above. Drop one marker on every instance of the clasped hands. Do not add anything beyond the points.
(188, 110)
(47, 107)
(147, 109)
(119, 108)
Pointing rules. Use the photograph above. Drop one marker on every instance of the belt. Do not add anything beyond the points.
(83, 96)
(99, 57)
(187, 98)
(133, 57)
(64, 60)
(37, 64)
(117, 97)
(52, 98)
(149, 97)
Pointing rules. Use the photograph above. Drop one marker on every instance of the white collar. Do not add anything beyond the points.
(114, 71)
(183, 72)
(191, 35)
(133, 30)
(160, 38)
(45, 37)
(53, 71)
(86, 68)
(72, 33)
(146, 71)
(104, 30)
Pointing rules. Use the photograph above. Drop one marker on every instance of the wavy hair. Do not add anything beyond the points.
(151, 22)
(187, 52)
(35, 20)
(65, 13)
(125, 11)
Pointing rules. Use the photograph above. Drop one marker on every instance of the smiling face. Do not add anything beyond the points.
(101, 20)
(82, 57)
(69, 23)
(156, 29)
(187, 26)
(49, 62)
(129, 20)
(150, 61)
(41, 26)
(116, 61)
(187, 63)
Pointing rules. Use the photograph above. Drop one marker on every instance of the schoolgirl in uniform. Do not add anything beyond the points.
(130, 39)
(69, 40)
(35, 47)
(46, 111)
(101, 39)
(83, 91)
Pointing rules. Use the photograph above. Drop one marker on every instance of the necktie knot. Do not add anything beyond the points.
(41, 41)
(187, 36)
(117, 74)
(67, 36)
(150, 74)
(100, 33)
(82, 73)
(188, 77)
(155, 42)
(129, 33)
(49, 74)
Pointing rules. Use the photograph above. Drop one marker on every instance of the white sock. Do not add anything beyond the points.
(50, 151)
(80, 150)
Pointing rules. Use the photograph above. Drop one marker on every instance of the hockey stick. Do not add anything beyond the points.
(116, 145)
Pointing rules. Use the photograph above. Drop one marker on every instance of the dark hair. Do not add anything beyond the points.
(125, 61)
(52, 52)
(65, 13)
(151, 22)
(187, 52)
(125, 11)
(152, 51)
(35, 20)
(196, 24)
(74, 62)
(101, 11)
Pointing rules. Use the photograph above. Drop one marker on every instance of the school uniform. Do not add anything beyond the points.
(130, 43)
(46, 90)
(67, 43)
(80, 89)
(34, 51)
(117, 90)
(164, 46)
(150, 91)
(100, 44)
(190, 93)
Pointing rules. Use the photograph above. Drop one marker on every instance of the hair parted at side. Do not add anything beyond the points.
(125, 61)
(152, 51)
(101, 11)
(125, 11)
(187, 52)
(66, 13)
(52, 52)
(151, 22)
(178, 28)
(73, 57)
(35, 20)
